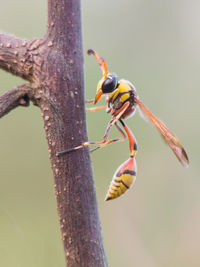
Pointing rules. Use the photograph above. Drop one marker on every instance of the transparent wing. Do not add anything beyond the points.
(169, 137)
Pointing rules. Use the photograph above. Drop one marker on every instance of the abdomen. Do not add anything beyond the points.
(122, 180)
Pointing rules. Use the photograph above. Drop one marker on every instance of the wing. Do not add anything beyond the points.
(169, 137)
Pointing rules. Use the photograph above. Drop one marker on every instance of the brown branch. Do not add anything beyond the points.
(54, 66)
(18, 96)
(14, 56)
(74, 184)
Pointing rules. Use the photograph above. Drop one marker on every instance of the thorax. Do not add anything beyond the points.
(124, 92)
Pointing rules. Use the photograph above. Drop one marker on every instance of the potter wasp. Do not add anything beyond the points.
(121, 102)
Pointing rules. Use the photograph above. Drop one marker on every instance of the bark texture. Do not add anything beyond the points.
(53, 65)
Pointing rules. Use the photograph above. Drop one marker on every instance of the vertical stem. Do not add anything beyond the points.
(65, 124)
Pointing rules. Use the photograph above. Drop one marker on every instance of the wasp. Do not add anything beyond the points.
(121, 102)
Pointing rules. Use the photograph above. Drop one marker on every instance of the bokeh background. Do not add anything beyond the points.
(154, 44)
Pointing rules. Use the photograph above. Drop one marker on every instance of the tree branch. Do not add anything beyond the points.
(18, 96)
(14, 56)
(74, 184)
(54, 66)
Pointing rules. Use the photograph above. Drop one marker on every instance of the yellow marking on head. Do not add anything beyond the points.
(99, 85)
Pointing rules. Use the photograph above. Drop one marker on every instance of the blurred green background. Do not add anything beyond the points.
(154, 44)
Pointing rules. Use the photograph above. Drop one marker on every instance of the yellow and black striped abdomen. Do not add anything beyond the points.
(123, 178)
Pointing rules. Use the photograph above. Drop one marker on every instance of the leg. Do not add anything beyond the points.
(96, 108)
(112, 140)
(105, 138)
(116, 118)
(89, 101)
(85, 144)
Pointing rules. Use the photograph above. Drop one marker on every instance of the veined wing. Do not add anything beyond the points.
(169, 137)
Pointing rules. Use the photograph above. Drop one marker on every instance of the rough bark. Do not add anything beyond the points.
(54, 67)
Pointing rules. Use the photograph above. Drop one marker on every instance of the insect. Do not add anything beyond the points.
(121, 102)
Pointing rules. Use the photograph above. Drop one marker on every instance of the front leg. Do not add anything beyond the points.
(96, 108)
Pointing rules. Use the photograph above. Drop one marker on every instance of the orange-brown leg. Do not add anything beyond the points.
(105, 138)
(96, 108)
(85, 144)
(89, 101)
(112, 140)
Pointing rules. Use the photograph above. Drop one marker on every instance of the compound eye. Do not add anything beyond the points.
(109, 85)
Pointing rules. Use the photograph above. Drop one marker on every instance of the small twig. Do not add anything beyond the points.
(18, 96)
(15, 56)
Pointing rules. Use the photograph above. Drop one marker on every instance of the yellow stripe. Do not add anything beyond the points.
(120, 185)
(99, 85)
(124, 87)
(124, 97)
(127, 179)
(113, 95)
